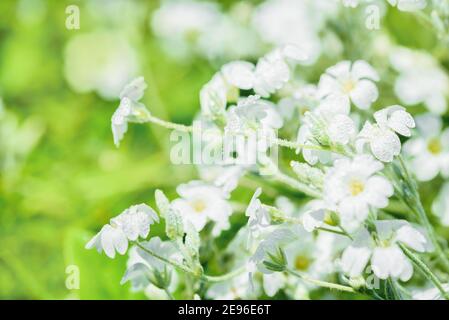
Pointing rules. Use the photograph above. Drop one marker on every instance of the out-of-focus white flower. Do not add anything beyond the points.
(281, 22)
(440, 206)
(229, 39)
(430, 294)
(99, 61)
(350, 3)
(224, 177)
(141, 265)
(131, 224)
(387, 259)
(353, 186)
(381, 137)
(181, 23)
(201, 202)
(130, 109)
(408, 5)
(429, 149)
(353, 81)
(421, 79)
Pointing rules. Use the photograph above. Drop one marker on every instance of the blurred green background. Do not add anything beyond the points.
(61, 176)
(60, 172)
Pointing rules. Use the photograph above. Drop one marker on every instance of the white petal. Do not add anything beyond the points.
(239, 74)
(340, 70)
(385, 146)
(412, 238)
(437, 103)
(313, 219)
(272, 283)
(134, 90)
(362, 69)
(354, 260)
(407, 271)
(429, 125)
(294, 52)
(364, 94)
(425, 168)
(341, 129)
(377, 191)
(381, 262)
(401, 122)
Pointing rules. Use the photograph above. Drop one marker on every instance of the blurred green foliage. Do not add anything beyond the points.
(75, 179)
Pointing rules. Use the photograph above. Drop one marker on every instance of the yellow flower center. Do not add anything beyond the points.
(434, 146)
(356, 187)
(198, 205)
(302, 263)
(348, 86)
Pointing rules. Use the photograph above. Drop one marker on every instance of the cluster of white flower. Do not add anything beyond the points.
(348, 185)
(189, 27)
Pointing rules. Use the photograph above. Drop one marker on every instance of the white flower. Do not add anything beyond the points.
(381, 137)
(430, 294)
(440, 206)
(239, 74)
(353, 186)
(131, 224)
(272, 71)
(421, 79)
(201, 202)
(352, 81)
(253, 113)
(237, 288)
(213, 96)
(258, 217)
(408, 5)
(314, 214)
(281, 22)
(273, 282)
(328, 124)
(230, 38)
(129, 110)
(430, 149)
(140, 263)
(180, 24)
(100, 61)
(250, 130)
(351, 3)
(387, 259)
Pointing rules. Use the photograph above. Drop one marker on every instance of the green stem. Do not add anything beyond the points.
(302, 187)
(169, 125)
(179, 266)
(425, 270)
(323, 284)
(430, 231)
(277, 141)
(413, 202)
(342, 232)
(168, 261)
(226, 276)
(169, 295)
